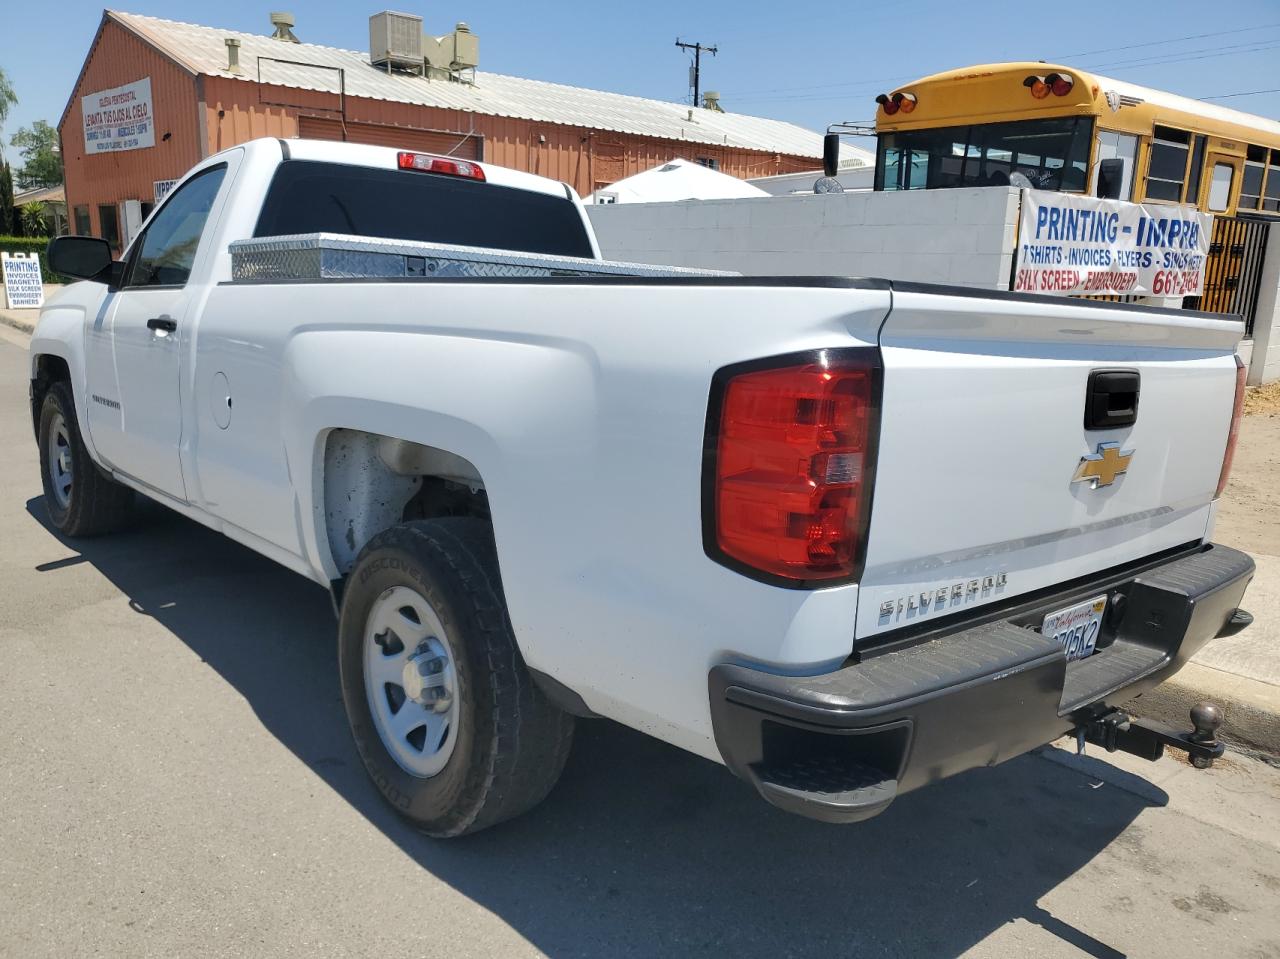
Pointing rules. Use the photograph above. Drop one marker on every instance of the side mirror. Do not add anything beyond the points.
(82, 257)
(1110, 177)
(831, 154)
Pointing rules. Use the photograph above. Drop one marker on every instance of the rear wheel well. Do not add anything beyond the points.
(373, 482)
(49, 369)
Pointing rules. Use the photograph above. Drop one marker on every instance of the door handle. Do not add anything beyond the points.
(163, 324)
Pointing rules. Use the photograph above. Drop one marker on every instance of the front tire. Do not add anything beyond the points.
(444, 713)
(82, 500)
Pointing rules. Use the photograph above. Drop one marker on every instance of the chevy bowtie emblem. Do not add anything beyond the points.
(1103, 466)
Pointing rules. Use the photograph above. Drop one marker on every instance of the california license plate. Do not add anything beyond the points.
(1076, 628)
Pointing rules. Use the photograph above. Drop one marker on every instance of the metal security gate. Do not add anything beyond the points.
(1233, 271)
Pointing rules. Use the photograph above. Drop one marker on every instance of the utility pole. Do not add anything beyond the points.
(697, 49)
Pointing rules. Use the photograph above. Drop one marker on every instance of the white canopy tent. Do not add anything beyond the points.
(675, 180)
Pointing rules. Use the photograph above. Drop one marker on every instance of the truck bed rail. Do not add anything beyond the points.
(316, 256)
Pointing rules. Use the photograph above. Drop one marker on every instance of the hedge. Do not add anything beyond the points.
(24, 244)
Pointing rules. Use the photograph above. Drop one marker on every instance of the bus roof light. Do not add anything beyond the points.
(1060, 83)
(1038, 87)
(887, 103)
(906, 101)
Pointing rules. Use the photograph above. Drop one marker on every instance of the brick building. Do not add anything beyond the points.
(155, 96)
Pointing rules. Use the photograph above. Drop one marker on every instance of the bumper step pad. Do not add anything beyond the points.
(827, 788)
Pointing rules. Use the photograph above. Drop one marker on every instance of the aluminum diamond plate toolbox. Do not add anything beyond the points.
(321, 256)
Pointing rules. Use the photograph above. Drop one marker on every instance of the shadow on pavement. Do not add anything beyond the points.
(643, 849)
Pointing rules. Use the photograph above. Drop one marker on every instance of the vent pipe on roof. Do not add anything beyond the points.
(233, 55)
(711, 101)
(283, 23)
(453, 56)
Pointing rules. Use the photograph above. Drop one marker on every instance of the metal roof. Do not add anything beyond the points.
(41, 194)
(203, 51)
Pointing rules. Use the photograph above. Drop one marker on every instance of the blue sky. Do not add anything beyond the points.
(810, 65)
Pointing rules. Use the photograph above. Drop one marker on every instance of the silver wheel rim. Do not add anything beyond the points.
(60, 461)
(411, 682)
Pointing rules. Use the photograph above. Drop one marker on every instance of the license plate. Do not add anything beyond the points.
(1076, 628)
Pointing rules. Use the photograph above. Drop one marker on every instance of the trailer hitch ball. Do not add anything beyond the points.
(1115, 730)
(1206, 718)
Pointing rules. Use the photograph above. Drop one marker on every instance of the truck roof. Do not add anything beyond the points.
(361, 154)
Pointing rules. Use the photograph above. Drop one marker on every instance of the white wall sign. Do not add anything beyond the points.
(1081, 244)
(22, 286)
(161, 188)
(119, 119)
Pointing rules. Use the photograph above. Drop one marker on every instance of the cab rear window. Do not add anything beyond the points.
(311, 197)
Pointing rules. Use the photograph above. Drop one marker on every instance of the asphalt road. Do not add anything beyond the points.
(176, 779)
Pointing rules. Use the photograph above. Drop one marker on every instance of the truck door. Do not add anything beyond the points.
(135, 417)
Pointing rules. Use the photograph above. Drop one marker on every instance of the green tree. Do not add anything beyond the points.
(32, 215)
(7, 226)
(7, 97)
(41, 161)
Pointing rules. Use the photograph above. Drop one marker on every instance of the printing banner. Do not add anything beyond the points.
(1070, 244)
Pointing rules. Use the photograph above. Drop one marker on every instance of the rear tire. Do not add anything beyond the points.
(82, 500)
(444, 713)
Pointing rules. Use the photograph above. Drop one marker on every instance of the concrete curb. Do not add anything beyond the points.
(1252, 707)
(26, 326)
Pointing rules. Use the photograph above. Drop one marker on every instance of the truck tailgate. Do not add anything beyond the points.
(983, 433)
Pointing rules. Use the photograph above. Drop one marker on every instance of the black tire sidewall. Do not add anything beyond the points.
(433, 801)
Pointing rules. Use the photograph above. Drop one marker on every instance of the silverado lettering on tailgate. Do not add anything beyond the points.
(952, 594)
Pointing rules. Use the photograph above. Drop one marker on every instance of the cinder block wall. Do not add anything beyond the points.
(964, 237)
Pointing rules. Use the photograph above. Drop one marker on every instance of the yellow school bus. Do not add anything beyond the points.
(1055, 127)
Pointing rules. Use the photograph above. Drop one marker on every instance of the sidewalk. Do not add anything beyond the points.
(24, 320)
(1241, 673)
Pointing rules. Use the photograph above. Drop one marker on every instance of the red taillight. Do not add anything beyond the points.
(427, 163)
(789, 484)
(887, 103)
(1234, 434)
(1060, 83)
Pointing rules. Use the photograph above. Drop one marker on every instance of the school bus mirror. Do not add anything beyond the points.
(831, 154)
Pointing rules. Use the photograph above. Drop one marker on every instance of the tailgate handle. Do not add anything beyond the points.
(1111, 399)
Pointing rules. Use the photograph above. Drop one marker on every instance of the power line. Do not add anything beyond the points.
(1139, 64)
(1156, 62)
(1247, 93)
(1186, 56)
(1057, 57)
(1154, 43)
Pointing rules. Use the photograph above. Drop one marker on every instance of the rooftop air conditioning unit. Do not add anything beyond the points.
(395, 39)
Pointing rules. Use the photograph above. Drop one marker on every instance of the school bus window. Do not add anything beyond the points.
(1052, 154)
(1255, 166)
(1113, 145)
(1271, 193)
(1167, 169)
(1220, 187)
(1192, 194)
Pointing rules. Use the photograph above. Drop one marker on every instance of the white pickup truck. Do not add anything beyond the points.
(846, 536)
